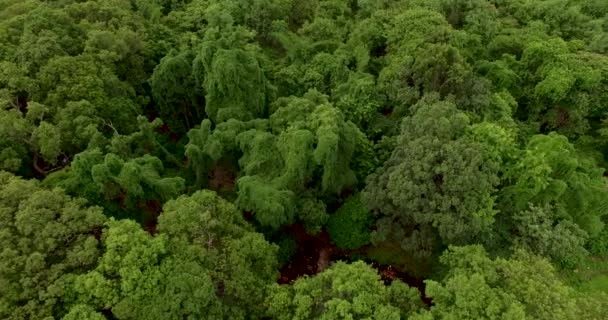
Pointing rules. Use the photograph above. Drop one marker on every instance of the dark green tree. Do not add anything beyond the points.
(437, 177)
(227, 67)
(349, 226)
(178, 99)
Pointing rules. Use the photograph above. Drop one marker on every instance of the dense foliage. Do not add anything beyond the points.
(179, 159)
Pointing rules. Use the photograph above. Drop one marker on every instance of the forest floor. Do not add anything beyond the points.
(316, 252)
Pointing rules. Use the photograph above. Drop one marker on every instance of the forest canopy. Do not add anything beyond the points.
(303, 159)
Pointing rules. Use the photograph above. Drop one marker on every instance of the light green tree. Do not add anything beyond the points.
(47, 239)
(121, 186)
(554, 197)
(344, 291)
(205, 263)
(309, 142)
(522, 287)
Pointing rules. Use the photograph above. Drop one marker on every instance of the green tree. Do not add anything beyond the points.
(205, 262)
(121, 186)
(522, 287)
(423, 56)
(136, 278)
(436, 176)
(40, 33)
(344, 291)
(244, 264)
(309, 143)
(47, 238)
(257, 15)
(83, 312)
(202, 151)
(539, 231)
(567, 194)
(66, 79)
(14, 132)
(358, 99)
(174, 89)
(564, 87)
(228, 69)
(145, 141)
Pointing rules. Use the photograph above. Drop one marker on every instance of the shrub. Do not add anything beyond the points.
(349, 226)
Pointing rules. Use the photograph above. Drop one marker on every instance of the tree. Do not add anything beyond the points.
(227, 68)
(244, 264)
(173, 87)
(123, 50)
(257, 15)
(121, 186)
(309, 143)
(436, 176)
(344, 291)
(539, 231)
(202, 152)
(522, 287)
(77, 111)
(358, 99)
(137, 279)
(14, 131)
(42, 34)
(571, 181)
(83, 63)
(35, 139)
(205, 262)
(423, 56)
(202, 218)
(564, 87)
(145, 141)
(555, 198)
(83, 312)
(48, 238)
(66, 79)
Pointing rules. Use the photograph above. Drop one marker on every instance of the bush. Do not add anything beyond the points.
(287, 248)
(349, 226)
(598, 245)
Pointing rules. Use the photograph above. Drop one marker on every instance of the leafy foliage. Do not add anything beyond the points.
(499, 288)
(344, 291)
(119, 185)
(349, 226)
(47, 239)
(173, 87)
(309, 140)
(435, 178)
(385, 131)
(205, 262)
(229, 71)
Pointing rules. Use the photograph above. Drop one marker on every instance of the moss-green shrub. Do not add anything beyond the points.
(349, 226)
(287, 248)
